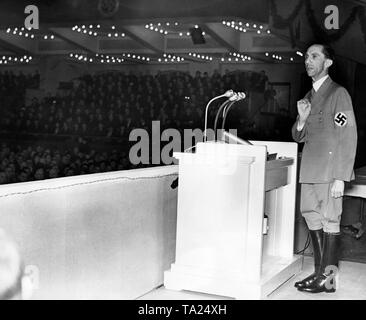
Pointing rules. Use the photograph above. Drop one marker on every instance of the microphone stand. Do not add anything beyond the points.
(226, 94)
(224, 105)
(226, 111)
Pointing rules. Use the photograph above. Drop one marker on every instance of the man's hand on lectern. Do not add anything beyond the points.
(303, 108)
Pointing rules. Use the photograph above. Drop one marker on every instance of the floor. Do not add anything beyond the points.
(351, 286)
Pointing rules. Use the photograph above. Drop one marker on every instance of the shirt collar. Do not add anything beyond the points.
(317, 84)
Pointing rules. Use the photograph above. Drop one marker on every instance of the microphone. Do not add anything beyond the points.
(227, 94)
(240, 96)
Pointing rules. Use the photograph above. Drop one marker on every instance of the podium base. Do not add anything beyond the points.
(275, 272)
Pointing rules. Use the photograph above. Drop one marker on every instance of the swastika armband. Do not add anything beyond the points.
(340, 119)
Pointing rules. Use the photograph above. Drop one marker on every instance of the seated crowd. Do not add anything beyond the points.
(21, 164)
(104, 106)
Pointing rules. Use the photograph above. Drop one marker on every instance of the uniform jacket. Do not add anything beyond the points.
(329, 134)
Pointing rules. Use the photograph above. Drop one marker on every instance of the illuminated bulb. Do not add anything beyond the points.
(85, 31)
(113, 27)
(268, 31)
(146, 26)
(71, 55)
(98, 26)
(109, 35)
(116, 35)
(258, 31)
(45, 37)
(32, 36)
(26, 35)
(165, 32)
(83, 27)
(8, 30)
(180, 34)
(91, 26)
(52, 37)
(188, 33)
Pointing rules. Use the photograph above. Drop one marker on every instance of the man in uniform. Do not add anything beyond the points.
(326, 124)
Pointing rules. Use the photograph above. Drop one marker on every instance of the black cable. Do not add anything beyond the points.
(307, 243)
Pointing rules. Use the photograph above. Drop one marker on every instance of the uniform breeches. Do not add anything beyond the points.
(319, 208)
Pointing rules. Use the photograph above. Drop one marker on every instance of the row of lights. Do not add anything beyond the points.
(85, 30)
(115, 34)
(234, 59)
(277, 57)
(157, 28)
(108, 59)
(49, 37)
(274, 56)
(14, 59)
(200, 56)
(170, 58)
(98, 58)
(21, 32)
(135, 57)
(241, 26)
(240, 56)
(80, 57)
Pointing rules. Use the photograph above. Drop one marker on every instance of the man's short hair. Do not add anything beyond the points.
(327, 50)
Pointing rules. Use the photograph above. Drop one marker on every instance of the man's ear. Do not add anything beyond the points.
(328, 62)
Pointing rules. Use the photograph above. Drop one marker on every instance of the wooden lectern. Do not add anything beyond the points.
(224, 192)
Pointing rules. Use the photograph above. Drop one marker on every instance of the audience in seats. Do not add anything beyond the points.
(102, 109)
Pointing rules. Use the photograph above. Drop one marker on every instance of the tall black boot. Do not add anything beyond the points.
(325, 282)
(317, 241)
